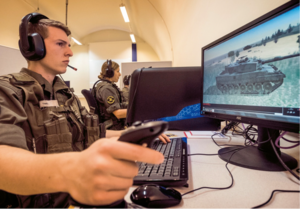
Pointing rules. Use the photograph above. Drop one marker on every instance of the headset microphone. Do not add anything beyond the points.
(72, 67)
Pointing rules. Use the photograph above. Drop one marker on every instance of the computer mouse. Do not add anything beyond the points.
(155, 196)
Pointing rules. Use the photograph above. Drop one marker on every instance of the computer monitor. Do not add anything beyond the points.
(169, 94)
(252, 76)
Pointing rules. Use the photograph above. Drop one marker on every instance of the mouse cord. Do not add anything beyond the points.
(220, 188)
(233, 152)
(247, 145)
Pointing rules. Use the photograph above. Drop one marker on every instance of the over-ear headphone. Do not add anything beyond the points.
(126, 80)
(32, 46)
(109, 70)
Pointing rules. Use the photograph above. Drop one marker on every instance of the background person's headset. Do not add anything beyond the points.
(109, 70)
(126, 80)
(32, 45)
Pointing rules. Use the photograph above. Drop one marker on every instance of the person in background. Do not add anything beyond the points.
(113, 108)
(110, 100)
(125, 90)
(49, 152)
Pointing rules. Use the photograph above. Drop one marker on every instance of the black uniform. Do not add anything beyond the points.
(109, 99)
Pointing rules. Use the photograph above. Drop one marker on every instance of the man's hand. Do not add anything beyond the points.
(164, 138)
(103, 173)
(116, 134)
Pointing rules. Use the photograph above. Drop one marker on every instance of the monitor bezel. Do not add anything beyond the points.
(292, 127)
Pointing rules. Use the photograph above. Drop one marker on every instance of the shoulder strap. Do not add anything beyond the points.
(96, 83)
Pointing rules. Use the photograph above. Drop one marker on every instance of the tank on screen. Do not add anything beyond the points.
(250, 76)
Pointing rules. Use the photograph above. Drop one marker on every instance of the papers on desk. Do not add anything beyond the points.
(203, 135)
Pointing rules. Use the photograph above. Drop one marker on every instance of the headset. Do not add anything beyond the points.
(109, 70)
(32, 46)
(126, 80)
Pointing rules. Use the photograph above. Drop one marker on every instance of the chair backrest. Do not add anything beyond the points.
(91, 100)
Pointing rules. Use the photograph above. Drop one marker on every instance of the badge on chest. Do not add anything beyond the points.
(48, 103)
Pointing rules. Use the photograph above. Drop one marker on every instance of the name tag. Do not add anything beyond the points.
(48, 103)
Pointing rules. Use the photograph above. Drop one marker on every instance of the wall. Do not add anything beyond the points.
(12, 10)
(118, 51)
(193, 24)
(11, 60)
(144, 51)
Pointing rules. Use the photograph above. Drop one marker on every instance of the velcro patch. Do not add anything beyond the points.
(110, 100)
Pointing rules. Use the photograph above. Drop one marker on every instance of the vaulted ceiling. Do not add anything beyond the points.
(87, 16)
(175, 29)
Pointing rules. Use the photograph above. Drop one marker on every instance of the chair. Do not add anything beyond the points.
(91, 100)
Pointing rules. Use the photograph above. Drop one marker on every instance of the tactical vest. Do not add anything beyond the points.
(53, 129)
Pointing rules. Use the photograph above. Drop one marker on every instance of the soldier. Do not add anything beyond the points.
(109, 97)
(49, 147)
(125, 90)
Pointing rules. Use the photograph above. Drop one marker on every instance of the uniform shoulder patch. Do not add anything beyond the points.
(110, 100)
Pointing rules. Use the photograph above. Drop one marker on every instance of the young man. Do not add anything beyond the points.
(39, 165)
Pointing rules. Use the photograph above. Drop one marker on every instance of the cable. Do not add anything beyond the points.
(285, 166)
(229, 145)
(263, 204)
(238, 149)
(281, 161)
(250, 134)
(290, 140)
(234, 151)
(232, 180)
(220, 188)
(214, 154)
(281, 136)
(228, 127)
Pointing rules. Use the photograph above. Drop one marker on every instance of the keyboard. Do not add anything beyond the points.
(173, 171)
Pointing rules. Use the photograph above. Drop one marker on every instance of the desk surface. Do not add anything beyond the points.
(250, 188)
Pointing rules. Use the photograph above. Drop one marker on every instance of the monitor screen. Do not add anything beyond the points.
(170, 94)
(252, 75)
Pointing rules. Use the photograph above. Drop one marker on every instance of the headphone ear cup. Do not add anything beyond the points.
(110, 72)
(37, 50)
(125, 80)
(32, 46)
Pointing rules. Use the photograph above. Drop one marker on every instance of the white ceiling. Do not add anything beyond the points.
(175, 29)
(87, 16)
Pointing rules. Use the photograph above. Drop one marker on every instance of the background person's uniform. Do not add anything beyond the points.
(109, 99)
(24, 124)
(125, 92)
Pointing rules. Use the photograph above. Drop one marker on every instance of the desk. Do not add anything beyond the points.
(250, 188)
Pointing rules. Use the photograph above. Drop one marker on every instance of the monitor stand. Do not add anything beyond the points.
(261, 157)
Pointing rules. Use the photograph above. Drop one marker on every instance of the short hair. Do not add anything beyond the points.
(42, 27)
(114, 67)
